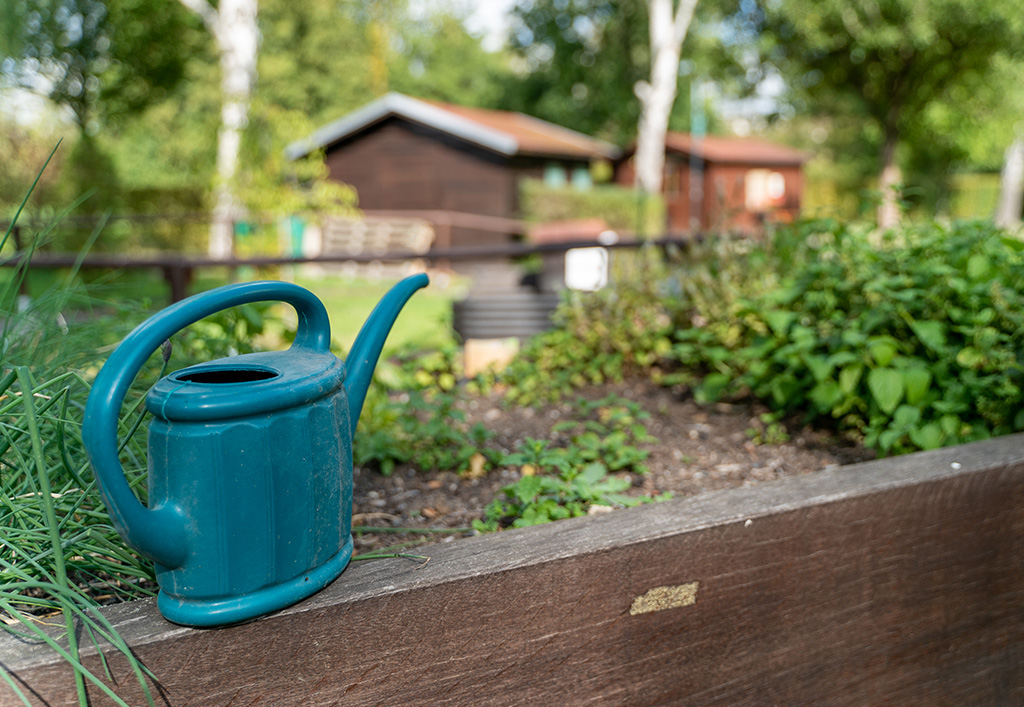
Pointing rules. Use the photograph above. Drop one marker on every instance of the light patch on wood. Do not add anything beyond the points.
(661, 598)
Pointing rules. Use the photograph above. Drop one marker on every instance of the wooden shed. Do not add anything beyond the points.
(734, 184)
(410, 155)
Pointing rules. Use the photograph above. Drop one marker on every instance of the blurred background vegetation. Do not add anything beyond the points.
(132, 86)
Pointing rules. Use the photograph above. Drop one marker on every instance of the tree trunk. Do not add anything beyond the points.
(233, 25)
(1011, 185)
(667, 33)
(889, 182)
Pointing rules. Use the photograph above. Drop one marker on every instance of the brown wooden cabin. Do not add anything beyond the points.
(407, 154)
(740, 183)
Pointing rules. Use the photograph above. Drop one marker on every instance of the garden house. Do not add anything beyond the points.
(459, 167)
(716, 183)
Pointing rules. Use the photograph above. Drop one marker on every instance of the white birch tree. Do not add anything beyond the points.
(233, 26)
(1011, 184)
(667, 29)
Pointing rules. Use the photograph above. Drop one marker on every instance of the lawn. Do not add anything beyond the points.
(425, 322)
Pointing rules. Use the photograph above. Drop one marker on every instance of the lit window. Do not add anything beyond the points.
(764, 189)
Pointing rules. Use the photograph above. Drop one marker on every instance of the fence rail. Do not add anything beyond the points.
(178, 269)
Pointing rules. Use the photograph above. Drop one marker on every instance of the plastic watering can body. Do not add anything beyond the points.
(250, 458)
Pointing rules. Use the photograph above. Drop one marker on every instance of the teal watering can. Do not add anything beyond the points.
(250, 457)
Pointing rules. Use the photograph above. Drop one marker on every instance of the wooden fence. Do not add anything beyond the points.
(895, 582)
(178, 270)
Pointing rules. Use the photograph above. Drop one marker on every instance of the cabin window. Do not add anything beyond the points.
(581, 179)
(554, 175)
(764, 189)
(776, 187)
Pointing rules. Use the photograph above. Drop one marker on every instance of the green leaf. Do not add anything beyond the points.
(888, 438)
(821, 367)
(841, 358)
(804, 338)
(882, 349)
(592, 473)
(886, 386)
(951, 425)
(928, 436)
(613, 484)
(711, 388)
(931, 333)
(784, 388)
(917, 381)
(970, 357)
(780, 321)
(905, 416)
(826, 394)
(527, 488)
(849, 377)
(978, 267)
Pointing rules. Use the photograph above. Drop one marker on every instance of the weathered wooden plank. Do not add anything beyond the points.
(893, 582)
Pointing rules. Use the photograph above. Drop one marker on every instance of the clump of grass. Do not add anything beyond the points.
(60, 558)
(58, 554)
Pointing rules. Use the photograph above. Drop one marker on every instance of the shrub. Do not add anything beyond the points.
(913, 342)
(620, 207)
(592, 466)
(412, 415)
(601, 336)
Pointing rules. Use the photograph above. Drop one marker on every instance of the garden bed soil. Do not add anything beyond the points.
(698, 449)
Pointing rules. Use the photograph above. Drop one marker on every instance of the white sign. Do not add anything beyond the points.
(586, 268)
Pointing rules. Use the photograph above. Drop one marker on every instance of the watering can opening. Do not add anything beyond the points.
(227, 375)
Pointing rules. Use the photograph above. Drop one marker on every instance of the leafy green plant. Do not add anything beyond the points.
(227, 333)
(769, 429)
(912, 342)
(592, 467)
(554, 489)
(608, 430)
(425, 429)
(601, 337)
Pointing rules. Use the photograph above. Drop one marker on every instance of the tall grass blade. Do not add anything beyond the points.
(21, 206)
(53, 526)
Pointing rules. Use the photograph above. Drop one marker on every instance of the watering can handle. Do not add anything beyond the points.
(159, 532)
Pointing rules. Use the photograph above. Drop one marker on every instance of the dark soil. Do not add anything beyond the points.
(698, 449)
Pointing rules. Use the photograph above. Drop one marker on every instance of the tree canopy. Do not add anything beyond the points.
(900, 71)
(925, 86)
(103, 59)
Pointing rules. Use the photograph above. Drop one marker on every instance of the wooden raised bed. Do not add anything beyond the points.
(892, 582)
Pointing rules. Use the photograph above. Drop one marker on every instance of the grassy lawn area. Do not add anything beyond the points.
(425, 322)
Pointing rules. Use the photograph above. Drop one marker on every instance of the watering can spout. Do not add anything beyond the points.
(362, 359)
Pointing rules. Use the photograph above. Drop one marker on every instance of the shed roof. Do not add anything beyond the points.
(734, 150)
(504, 132)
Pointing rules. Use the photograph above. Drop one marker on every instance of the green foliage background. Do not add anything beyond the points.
(622, 208)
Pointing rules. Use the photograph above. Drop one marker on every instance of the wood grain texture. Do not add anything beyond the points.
(894, 582)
